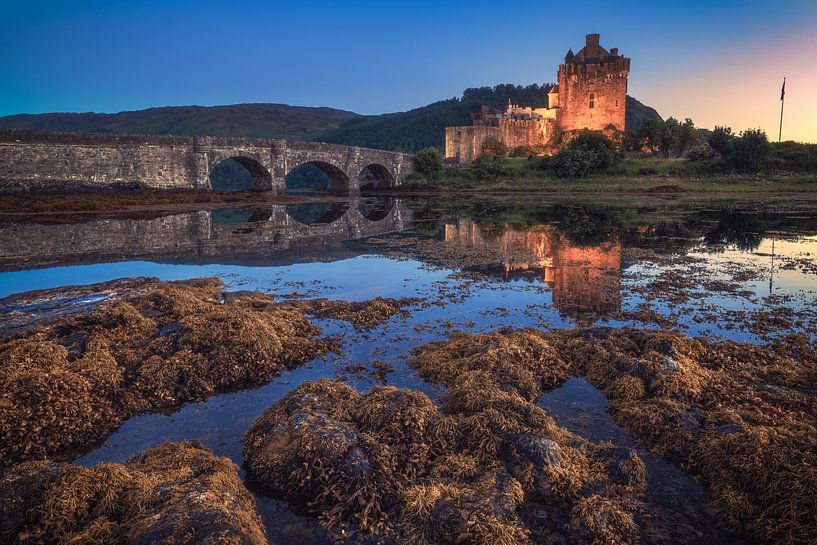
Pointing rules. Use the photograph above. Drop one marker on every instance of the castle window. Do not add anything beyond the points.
(592, 100)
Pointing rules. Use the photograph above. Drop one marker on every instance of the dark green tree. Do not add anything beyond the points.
(721, 140)
(429, 162)
(750, 152)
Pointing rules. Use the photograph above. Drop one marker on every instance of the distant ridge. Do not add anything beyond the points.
(404, 131)
(250, 120)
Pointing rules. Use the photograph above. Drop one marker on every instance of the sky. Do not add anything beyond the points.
(719, 62)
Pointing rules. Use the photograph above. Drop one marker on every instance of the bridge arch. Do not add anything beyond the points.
(259, 179)
(375, 176)
(338, 181)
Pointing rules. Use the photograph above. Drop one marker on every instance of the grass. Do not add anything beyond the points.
(635, 173)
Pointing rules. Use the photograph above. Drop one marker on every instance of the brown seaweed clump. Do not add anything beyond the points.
(71, 383)
(340, 454)
(389, 463)
(743, 417)
(361, 314)
(175, 493)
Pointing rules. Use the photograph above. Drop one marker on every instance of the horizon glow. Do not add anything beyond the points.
(718, 63)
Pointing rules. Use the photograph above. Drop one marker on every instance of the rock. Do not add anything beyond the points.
(539, 451)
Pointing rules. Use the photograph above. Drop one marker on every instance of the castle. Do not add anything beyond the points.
(591, 95)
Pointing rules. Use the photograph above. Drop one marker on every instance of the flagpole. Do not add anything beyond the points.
(782, 102)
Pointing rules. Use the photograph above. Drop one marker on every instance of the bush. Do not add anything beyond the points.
(603, 147)
(573, 163)
(702, 152)
(589, 152)
(793, 156)
(487, 168)
(429, 162)
(494, 147)
(721, 140)
(521, 151)
(750, 152)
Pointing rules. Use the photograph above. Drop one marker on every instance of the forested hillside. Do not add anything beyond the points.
(423, 127)
(253, 120)
(408, 131)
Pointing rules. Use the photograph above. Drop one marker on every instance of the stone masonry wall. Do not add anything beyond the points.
(517, 133)
(34, 159)
(464, 144)
(607, 82)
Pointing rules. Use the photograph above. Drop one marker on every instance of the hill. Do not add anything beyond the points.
(409, 131)
(253, 120)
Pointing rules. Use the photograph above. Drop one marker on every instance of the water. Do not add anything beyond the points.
(477, 263)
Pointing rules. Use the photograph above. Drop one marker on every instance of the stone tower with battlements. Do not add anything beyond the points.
(593, 89)
(591, 94)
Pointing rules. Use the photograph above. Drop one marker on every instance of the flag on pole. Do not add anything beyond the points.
(783, 90)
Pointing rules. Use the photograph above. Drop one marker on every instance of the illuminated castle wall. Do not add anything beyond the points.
(591, 95)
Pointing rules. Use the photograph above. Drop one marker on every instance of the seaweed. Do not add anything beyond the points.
(69, 384)
(176, 493)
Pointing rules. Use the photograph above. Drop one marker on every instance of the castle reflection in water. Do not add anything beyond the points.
(585, 279)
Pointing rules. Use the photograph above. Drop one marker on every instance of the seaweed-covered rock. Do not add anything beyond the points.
(175, 493)
(744, 417)
(361, 314)
(389, 463)
(157, 345)
(347, 456)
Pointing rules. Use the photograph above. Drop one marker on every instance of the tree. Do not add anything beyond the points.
(429, 162)
(650, 133)
(721, 140)
(670, 136)
(749, 152)
(493, 147)
(688, 137)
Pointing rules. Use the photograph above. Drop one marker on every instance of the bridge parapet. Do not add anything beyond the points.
(38, 159)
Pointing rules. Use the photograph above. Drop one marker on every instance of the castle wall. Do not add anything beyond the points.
(516, 133)
(606, 82)
(464, 144)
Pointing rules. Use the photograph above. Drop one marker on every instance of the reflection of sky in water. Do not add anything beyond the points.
(489, 302)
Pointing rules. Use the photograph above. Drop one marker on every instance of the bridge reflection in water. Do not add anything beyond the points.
(273, 234)
(585, 279)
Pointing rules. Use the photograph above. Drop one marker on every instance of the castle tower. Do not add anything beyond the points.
(593, 88)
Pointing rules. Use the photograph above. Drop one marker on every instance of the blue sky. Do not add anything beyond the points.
(375, 57)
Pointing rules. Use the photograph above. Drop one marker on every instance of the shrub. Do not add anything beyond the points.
(487, 168)
(702, 152)
(429, 162)
(588, 152)
(573, 163)
(603, 147)
(750, 152)
(794, 156)
(494, 147)
(521, 151)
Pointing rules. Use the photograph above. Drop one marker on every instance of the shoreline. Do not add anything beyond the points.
(42, 203)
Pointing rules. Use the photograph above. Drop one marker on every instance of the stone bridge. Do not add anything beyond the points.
(34, 159)
(264, 235)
